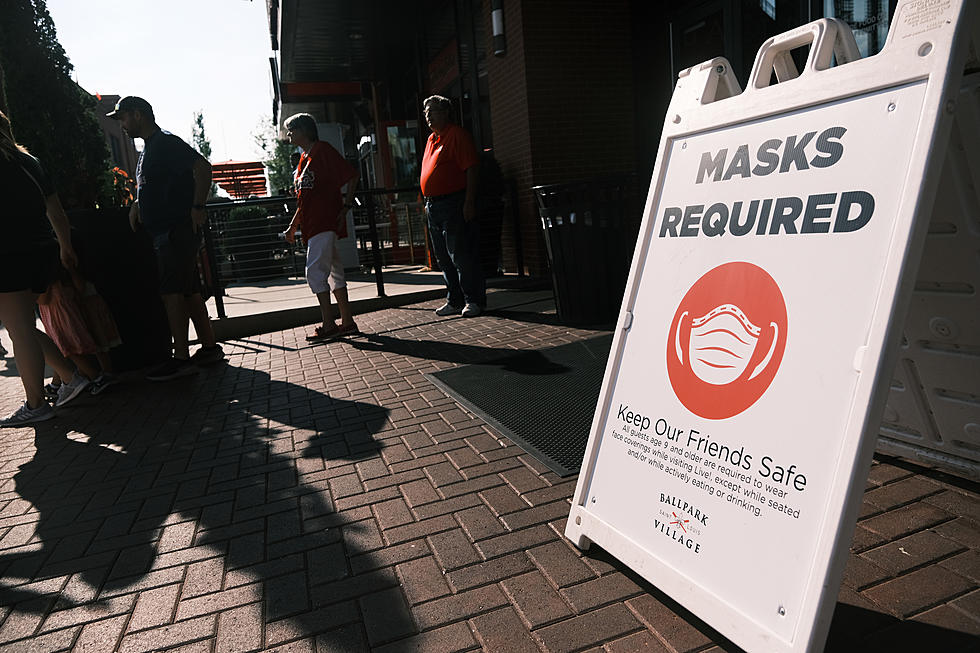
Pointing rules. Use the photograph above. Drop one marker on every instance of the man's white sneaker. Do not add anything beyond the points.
(70, 390)
(448, 309)
(472, 310)
(172, 369)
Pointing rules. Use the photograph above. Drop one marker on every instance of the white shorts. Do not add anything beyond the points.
(324, 269)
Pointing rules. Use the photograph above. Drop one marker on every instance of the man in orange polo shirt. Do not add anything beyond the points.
(449, 176)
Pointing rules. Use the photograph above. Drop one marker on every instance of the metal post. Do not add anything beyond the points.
(516, 214)
(375, 246)
(411, 236)
(291, 253)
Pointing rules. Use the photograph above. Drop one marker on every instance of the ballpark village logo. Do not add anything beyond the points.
(681, 522)
(726, 340)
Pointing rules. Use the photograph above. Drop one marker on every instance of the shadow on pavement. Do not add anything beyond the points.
(8, 366)
(853, 629)
(226, 475)
(515, 360)
(529, 317)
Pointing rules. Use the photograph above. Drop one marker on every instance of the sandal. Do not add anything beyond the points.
(347, 330)
(323, 333)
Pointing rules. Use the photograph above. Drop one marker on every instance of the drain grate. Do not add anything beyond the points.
(542, 400)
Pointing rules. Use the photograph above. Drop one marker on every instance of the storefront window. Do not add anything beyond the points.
(868, 19)
(404, 159)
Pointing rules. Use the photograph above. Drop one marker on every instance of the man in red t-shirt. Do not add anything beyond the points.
(449, 177)
(321, 215)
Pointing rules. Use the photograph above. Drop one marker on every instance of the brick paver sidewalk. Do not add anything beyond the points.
(330, 498)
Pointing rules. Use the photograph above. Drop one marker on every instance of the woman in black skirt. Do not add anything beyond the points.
(34, 234)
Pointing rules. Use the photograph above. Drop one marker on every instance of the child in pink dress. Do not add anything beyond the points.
(79, 322)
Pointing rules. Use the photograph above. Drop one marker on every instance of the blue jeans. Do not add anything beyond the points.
(456, 245)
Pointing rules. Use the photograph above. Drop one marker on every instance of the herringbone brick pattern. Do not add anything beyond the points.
(330, 498)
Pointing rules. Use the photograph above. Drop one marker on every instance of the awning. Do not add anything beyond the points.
(240, 179)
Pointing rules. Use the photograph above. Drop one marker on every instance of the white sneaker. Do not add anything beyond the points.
(447, 309)
(72, 389)
(27, 415)
(472, 310)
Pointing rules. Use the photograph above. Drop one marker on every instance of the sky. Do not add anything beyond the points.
(182, 56)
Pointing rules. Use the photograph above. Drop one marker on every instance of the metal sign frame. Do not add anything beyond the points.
(928, 46)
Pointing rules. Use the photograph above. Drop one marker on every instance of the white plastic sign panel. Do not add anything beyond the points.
(723, 440)
(932, 413)
(738, 412)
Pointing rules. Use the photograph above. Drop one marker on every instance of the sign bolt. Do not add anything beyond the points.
(943, 328)
(781, 610)
(593, 499)
(891, 106)
(720, 70)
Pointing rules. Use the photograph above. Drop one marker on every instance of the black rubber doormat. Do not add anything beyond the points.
(542, 400)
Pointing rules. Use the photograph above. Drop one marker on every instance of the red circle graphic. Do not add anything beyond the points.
(726, 340)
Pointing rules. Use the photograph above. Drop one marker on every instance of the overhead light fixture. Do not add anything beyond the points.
(497, 18)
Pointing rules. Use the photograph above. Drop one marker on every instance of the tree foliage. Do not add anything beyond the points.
(202, 144)
(277, 155)
(50, 114)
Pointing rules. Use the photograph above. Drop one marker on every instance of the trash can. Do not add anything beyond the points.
(590, 229)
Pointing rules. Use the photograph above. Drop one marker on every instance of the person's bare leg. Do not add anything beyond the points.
(17, 315)
(198, 312)
(326, 309)
(53, 356)
(177, 318)
(105, 361)
(343, 305)
(340, 289)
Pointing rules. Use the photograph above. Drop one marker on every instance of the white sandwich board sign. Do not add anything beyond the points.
(750, 364)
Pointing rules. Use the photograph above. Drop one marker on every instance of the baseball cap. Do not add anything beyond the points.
(130, 103)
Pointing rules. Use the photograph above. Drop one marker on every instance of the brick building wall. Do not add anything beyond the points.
(562, 105)
(510, 122)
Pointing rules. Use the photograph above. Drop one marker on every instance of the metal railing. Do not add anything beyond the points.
(389, 225)
(244, 241)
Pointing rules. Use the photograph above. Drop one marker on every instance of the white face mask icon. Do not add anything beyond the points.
(721, 344)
